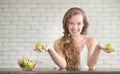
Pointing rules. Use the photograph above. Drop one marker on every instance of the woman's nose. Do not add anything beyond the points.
(75, 27)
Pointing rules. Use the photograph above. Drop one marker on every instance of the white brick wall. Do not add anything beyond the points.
(25, 22)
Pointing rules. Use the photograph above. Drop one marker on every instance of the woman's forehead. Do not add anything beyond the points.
(76, 18)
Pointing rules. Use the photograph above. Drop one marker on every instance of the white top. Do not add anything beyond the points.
(83, 58)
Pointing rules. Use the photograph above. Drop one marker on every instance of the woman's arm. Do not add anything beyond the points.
(56, 55)
(93, 52)
(94, 49)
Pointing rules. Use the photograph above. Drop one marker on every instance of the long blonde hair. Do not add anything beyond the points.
(68, 50)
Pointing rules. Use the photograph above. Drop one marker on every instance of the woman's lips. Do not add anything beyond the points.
(74, 31)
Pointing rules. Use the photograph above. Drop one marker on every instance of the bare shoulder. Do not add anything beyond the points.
(57, 44)
(91, 39)
(91, 42)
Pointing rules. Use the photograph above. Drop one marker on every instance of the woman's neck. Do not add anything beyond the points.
(77, 38)
(78, 42)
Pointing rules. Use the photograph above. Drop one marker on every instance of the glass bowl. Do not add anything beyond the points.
(26, 64)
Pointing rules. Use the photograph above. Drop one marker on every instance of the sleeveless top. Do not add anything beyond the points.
(83, 58)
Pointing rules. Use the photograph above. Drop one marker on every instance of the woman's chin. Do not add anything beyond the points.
(75, 34)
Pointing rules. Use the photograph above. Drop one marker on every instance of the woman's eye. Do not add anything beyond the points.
(79, 23)
(70, 23)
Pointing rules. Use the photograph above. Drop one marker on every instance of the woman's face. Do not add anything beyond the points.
(75, 25)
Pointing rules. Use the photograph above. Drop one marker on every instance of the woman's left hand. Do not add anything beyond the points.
(109, 51)
(103, 46)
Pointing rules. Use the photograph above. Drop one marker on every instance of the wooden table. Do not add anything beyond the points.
(58, 71)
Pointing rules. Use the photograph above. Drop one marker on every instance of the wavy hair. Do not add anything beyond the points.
(68, 50)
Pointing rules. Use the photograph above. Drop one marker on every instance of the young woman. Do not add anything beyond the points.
(75, 50)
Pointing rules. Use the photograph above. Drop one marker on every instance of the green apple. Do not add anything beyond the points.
(39, 45)
(109, 46)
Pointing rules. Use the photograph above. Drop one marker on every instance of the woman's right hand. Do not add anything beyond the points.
(38, 50)
(45, 48)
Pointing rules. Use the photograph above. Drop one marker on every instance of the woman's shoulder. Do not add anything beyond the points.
(90, 38)
(91, 41)
(57, 41)
(57, 45)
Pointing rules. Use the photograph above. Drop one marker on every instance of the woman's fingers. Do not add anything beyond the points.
(38, 50)
(109, 51)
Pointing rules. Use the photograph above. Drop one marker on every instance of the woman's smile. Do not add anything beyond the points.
(76, 31)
